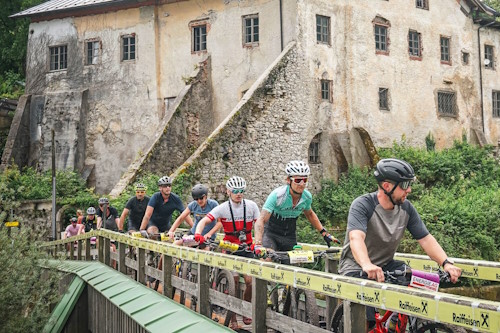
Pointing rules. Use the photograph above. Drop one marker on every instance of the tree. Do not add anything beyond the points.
(27, 289)
(14, 39)
(495, 4)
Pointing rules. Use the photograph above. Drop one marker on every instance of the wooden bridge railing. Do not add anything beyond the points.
(471, 313)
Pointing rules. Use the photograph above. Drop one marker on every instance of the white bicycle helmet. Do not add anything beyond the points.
(165, 180)
(297, 168)
(91, 211)
(236, 183)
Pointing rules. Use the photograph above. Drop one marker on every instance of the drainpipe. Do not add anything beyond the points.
(481, 68)
(281, 23)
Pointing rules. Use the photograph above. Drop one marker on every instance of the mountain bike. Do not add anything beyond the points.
(398, 322)
(286, 299)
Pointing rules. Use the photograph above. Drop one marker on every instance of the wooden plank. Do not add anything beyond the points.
(107, 250)
(121, 258)
(331, 266)
(101, 249)
(79, 250)
(87, 250)
(285, 324)
(167, 276)
(204, 289)
(354, 317)
(259, 305)
(141, 263)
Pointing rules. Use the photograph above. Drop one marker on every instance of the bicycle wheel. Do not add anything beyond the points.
(310, 315)
(429, 327)
(224, 284)
(337, 322)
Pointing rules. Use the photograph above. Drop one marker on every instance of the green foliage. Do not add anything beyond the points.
(430, 143)
(27, 290)
(457, 195)
(28, 184)
(11, 85)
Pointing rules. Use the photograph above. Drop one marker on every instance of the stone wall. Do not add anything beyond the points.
(270, 126)
(18, 142)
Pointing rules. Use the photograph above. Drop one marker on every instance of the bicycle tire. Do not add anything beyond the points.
(337, 321)
(280, 299)
(429, 327)
(225, 283)
(311, 307)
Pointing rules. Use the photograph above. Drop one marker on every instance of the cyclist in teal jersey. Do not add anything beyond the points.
(282, 208)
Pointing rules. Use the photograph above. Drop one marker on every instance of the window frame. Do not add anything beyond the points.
(448, 51)
(495, 104)
(319, 24)
(465, 58)
(254, 30)
(385, 43)
(87, 56)
(490, 56)
(314, 150)
(196, 26)
(419, 46)
(329, 85)
(59, 62)
(386, 106)
(454, 105)
(422, 4)
(122, 47)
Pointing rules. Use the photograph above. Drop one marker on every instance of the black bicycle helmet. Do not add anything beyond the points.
(394, 170)
(198, 191)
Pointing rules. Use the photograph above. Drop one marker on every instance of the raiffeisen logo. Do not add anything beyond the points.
(375, 298)
(461, 318)
(409, 306)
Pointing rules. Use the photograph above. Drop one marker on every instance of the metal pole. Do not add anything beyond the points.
(53, 187)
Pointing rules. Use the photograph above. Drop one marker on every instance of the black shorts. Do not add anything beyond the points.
(278, 243)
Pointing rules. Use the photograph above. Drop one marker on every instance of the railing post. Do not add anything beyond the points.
(204, 289)
(87, 250)
(259, 305)
(121, 258)
(71, 251)
(55, 252)
(141, 261)
(331, 266)
(107, 250)
(354, 317)
(79, 250)
(167, 276)
(100, 253)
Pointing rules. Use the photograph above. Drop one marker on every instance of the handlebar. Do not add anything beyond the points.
(415, 278)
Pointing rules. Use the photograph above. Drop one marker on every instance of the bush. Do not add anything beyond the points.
(27, 290)
(457, 196)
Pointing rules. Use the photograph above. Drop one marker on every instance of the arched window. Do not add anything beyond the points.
(314, 149)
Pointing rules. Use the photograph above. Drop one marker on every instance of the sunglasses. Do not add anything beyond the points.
(406, 184)
(200, 198)
(167, 185)
(235, 191)
(140, 192)
(299, 180)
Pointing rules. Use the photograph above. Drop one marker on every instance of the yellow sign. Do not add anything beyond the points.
(12, 224)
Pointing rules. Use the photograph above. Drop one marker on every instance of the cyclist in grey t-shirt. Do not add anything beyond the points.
(376, 225)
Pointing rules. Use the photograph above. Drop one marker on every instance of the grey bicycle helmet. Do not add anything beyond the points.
(103, 201)
(91, 211)
(236, 183)
(297, 168)
(165, 180)
(73, 220)
(198, 191)
(394, 170)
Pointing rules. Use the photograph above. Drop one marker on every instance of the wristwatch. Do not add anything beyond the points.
(447, 261)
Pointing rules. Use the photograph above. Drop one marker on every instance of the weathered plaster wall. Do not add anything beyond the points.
(357, 71)
(491, 82)
(17, 146)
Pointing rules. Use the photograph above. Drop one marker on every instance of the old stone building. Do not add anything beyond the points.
(223, 87)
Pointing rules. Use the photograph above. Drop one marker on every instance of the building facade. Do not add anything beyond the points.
(323, 81)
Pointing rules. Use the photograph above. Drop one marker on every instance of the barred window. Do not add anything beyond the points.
(323, 29)
(424, 4)
(58, 57)
(447, 103)
(489, 57)
(414, 44)
(383, 98)
(251, 30)
(314, 149)
(128, 47)
(465, 58)
(445, 49)
(496, 103)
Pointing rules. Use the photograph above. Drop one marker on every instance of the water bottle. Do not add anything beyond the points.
(393, 323)
(228, 246)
